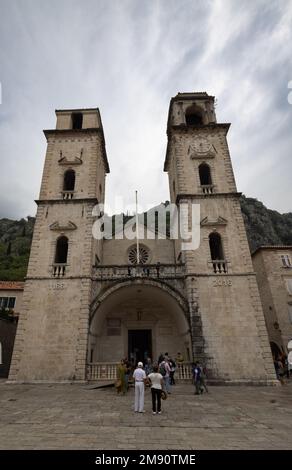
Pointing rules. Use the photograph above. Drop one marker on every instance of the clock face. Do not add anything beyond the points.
(202, 145)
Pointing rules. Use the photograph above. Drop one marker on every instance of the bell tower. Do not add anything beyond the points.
(226, 319)
(51, 341)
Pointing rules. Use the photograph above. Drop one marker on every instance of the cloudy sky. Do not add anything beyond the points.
(129, 57)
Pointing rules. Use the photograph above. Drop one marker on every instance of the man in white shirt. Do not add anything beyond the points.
(139, 377)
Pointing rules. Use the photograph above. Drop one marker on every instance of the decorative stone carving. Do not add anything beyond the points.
(202, 148)
(75, 161)
(208, 221)
(62, 228)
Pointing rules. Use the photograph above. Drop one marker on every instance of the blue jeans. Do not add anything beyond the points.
(166, 384)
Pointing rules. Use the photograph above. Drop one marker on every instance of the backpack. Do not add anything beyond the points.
(162, 370)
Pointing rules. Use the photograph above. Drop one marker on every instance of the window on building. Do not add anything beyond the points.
(7, 302)
(77, 119)
(69, 180)
(193, 116)
(290, 312)
(216, 247)
(205, 175)
(286, 262)
(61, 250)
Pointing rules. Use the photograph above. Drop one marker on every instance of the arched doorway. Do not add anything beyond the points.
(137, 320)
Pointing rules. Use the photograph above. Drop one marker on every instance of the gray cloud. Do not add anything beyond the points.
(129, 58)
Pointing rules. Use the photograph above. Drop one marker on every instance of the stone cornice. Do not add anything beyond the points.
(210, 126)
(220, 276)
(272, 248)
(92, 200)
(206, 196)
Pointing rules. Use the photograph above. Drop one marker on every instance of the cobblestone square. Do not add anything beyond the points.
(79, 417)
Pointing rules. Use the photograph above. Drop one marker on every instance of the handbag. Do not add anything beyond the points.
(163, 395)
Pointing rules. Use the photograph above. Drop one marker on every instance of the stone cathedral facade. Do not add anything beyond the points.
(87, 301)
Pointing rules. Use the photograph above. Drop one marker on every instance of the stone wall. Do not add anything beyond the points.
(272, 279)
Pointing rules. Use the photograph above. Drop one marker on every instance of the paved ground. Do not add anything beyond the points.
(76, 417)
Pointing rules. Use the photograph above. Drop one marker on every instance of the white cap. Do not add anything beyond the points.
(140, 364)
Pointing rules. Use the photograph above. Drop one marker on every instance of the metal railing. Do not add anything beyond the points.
(163, 271)
(99, 371)
(102, 371)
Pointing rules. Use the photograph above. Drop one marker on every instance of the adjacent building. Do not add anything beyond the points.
(273, 267)
(10, 306)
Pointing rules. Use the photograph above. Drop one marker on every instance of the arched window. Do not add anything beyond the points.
(77, 119)
(205, 175)
(217, 254)
(215, 246)
(61, 250)
(69, 180)
(194, 116)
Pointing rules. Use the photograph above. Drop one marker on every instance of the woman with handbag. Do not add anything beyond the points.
(156, 380)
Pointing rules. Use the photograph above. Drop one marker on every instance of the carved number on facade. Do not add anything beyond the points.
(57, 285)
(222, 282)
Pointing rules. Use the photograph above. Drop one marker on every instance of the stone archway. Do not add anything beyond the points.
(139, 305)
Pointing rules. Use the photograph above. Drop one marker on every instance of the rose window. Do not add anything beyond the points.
(143, 255)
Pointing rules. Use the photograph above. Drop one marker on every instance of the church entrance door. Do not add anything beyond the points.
(139, 345)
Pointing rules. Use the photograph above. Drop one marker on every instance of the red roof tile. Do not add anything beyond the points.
(11, 285)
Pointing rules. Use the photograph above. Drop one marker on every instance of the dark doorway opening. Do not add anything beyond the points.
(139, 345)
(276, 351)
(77, 119)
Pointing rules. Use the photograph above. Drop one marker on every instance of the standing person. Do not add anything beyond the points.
(121, 376)
(203, 384)
(127, 373)
(179, 357)
(148, 366)
(164, 370)
(139, 377)
(197, 377)
(172, 366)
(156, 380)
(160, 359)
(281, 371)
